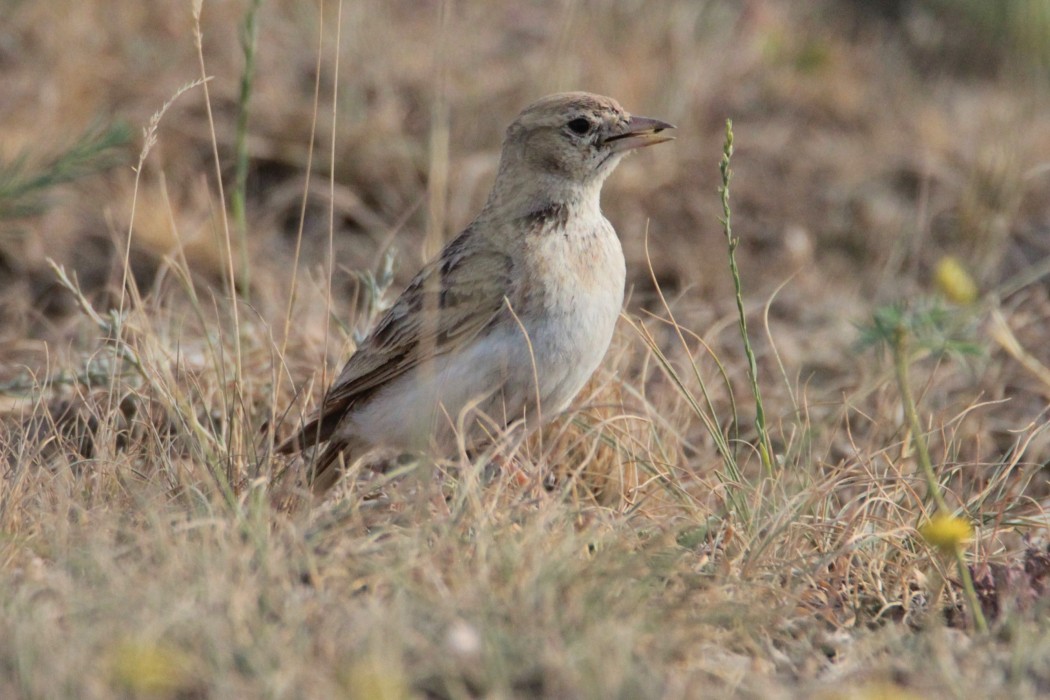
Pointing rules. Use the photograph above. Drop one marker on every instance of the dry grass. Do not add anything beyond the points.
(152, 546)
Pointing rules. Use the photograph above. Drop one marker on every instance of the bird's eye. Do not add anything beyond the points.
(579, 126)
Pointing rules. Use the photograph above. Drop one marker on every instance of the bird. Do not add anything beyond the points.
(508, 323)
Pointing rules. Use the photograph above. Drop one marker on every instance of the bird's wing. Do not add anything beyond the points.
(447, 304)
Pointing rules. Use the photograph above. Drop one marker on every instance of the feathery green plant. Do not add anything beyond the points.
(23, 191)
(936, 329)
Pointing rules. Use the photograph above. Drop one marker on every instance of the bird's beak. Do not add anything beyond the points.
(640, 132)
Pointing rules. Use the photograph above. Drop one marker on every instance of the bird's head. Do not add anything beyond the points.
(574, 139)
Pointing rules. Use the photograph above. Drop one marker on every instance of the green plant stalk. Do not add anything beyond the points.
(979, 623)
(899, 347)
(765, 450)
(249, 38)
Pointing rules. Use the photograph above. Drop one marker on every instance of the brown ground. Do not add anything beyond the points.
(151, 546)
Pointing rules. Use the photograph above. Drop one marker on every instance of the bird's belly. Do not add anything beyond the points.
(479, 385)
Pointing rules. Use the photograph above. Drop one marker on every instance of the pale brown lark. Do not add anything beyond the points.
(515, 314)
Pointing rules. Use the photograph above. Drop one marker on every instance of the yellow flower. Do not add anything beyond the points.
(376, 679)
(946, 532)
(954, 282)
(151, 668)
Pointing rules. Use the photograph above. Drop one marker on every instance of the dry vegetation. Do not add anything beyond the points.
(891, 152)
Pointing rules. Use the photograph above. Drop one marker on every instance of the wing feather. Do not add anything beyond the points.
(448, 303)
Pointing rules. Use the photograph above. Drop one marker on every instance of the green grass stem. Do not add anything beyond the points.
(764, 446)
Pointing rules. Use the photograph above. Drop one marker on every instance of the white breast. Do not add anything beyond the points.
(584, 283)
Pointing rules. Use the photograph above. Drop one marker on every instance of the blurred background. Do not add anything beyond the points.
(886, 151)
(873, 139)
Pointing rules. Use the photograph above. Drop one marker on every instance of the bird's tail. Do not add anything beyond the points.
(316, 430)
(326, 468)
